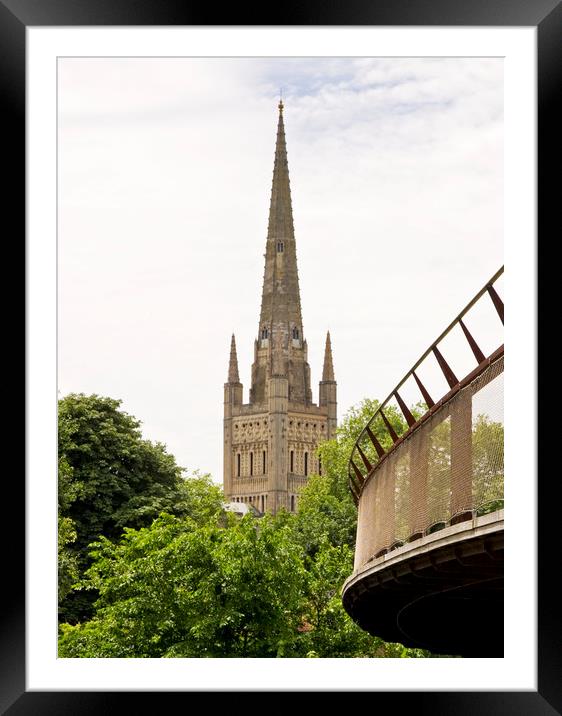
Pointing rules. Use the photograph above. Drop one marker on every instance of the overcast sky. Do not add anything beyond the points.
(165, 170)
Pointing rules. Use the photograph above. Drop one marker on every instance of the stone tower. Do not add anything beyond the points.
(270, 442)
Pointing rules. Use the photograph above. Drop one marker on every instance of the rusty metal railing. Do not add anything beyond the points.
(370, 451)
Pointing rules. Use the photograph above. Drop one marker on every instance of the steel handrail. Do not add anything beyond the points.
(355, 476)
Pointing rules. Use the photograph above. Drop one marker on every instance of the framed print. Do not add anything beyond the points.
(74, 84)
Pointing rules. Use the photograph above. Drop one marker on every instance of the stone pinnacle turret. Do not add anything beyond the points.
(328, 370)
(327, 395)
(233, 376)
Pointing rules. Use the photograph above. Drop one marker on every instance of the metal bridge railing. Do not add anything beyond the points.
(439, 464)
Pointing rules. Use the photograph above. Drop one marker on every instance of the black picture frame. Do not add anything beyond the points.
(546, 16)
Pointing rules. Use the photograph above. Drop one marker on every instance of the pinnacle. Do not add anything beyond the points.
(328, 371)
(233, 363)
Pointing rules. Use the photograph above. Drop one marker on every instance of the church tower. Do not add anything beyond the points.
(270, 443)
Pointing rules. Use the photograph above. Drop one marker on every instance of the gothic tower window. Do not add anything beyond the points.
(279, 247)
(295, 333)
(306, 463)
(238, 465)
(251, 463)
(264, 463)
(319, 465)
(292, 503)
(292, 460)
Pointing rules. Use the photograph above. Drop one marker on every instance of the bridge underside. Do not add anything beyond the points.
(444, 594)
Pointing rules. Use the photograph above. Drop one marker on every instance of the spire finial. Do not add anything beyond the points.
(281, 105)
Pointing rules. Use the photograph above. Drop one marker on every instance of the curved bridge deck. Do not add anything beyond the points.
(443, 592)
(428, 566)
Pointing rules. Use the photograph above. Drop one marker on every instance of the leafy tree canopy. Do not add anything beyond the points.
(199, 582)
(123, 479)
(176, 589)
(111, 478)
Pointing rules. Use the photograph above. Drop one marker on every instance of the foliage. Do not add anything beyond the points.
(199, 498)
(178, 589)
(327, 630)
(201, 582)
(111, 478)
(488, 463)
(323, 518)
(125, 480)
(68, 491)
(67, 560)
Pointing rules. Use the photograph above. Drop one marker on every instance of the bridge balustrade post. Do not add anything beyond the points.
(419, 460)
(461, 457)
(384, 486)
(390, 502)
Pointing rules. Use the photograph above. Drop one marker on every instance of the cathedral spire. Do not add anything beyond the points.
(328, 370)
(280, 307)
(233, 363)
(267, 458)
(280, 348)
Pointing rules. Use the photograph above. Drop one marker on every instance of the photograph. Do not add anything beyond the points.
(259, 456)
(268, 442)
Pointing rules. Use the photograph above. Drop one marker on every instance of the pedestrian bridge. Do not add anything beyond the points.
(428, 483)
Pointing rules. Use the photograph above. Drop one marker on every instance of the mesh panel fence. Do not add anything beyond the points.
(449, 469)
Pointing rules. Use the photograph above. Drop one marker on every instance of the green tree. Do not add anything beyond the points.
(126, 480)
(112, 478)
(327, 630)
(487, 463)
(323, 517)
(176, 589)
(203, 583)
(325, 526)
(68, 491)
